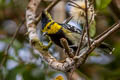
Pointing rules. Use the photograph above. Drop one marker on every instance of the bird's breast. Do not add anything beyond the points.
(57, 36)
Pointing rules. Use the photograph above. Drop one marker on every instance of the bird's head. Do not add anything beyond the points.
(45, 19)
(48, 24)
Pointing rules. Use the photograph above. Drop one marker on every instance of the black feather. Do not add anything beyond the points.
(71, 28)
(44, 20)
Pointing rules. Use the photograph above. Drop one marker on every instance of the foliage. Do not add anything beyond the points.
(102, 4)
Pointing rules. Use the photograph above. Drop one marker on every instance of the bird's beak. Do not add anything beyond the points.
(44, 34)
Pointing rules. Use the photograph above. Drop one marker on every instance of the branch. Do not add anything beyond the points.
(83, 56)
(66, 47)
(61, 66)
(87, 24)
(49, 7)
(35, 42)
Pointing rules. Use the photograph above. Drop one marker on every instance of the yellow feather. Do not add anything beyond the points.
(54, 28)
(48, 15)
(45, 28)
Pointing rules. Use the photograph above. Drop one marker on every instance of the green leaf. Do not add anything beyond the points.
(101, 4)
(93, 29)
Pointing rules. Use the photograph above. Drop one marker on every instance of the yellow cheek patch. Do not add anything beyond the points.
(54, 28)
(45, 28)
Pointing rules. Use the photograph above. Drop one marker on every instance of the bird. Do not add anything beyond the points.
(72, 34)
(77, 11)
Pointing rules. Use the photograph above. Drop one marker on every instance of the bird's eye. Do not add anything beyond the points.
(48, 27)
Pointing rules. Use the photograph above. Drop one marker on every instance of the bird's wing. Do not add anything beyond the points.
(72, 33)
(71, 28)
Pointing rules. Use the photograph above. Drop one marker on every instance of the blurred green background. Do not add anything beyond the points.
(24, 63)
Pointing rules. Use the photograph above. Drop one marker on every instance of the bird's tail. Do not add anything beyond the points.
(102, 49)
(105, 48)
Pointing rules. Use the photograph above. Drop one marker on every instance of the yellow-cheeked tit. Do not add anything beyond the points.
(72, 34)
(56, 31)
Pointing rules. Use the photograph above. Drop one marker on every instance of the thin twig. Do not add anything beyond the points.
(81, 40)
(75, 5)
(93, 14)
(105, 31)
(87, 23)
(48, 8)
(68, 19)
(9, 45)
(78, 49)
(91, 3)
(90, 22)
